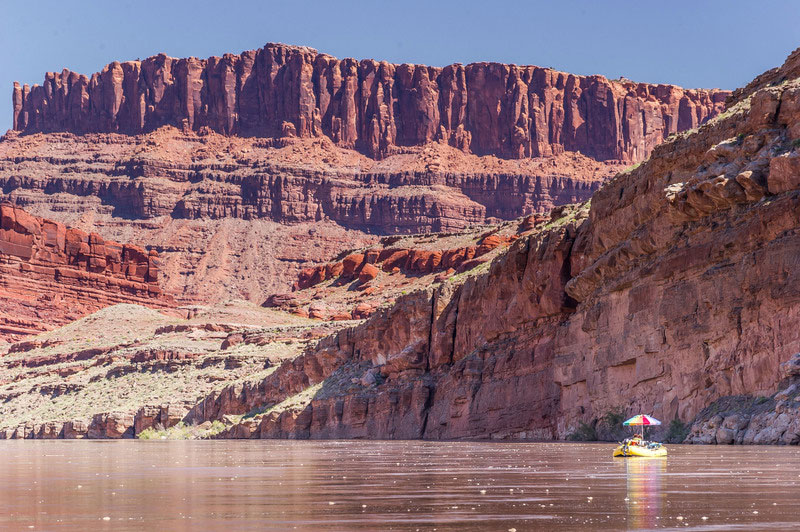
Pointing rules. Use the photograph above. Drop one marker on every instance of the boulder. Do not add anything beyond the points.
(232, 340)
(350, 265)
(791, 367)
(76, 430)
(363, 311)
(784, 173)
(368, 273)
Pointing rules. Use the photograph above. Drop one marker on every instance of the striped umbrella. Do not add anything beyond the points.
(642, 419)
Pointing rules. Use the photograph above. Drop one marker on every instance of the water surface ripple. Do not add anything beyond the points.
(358, 485)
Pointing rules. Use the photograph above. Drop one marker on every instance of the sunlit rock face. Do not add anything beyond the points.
(675, 288)
(279, 90)
(278, 159)
(51, 274)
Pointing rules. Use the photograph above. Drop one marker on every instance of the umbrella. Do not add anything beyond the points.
(642, 419)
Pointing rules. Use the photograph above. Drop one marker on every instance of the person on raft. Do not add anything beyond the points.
(636, 440)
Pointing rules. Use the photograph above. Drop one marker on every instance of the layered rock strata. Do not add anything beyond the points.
(202, 159)
(186, 176)
(127, 369)
(279, 90)
(409, 261)
(51, 274)
(674, 289)
(234, 217)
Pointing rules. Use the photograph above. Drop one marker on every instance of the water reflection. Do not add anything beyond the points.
(645, 496)
(355, 486)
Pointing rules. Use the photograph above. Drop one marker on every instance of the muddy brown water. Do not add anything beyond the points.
(357, 485)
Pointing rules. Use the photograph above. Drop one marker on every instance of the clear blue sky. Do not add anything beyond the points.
(697, 43)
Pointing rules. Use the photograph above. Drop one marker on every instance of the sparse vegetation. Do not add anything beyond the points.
(741, 107)
(569, 215)
(677, 431)
(255, 412)
(584, 432)
(609, 427)
(477, 270)
(295, 402)
(299, 400)
(181, 431)
(615, 417)
(62, 388)
(631, 168)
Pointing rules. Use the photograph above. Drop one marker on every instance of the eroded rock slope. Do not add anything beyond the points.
(675, 288)
(242, 170)
(51, 274)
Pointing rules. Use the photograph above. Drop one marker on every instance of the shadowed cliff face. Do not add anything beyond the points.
(675, 288)
(484, 108)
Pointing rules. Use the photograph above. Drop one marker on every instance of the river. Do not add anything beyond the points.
(358, 485)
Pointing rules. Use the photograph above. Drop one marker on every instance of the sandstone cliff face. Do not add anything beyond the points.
(240, 217)
(51, 274)
(175, 153)
(182, 176)
(674, 289)
(484, 108)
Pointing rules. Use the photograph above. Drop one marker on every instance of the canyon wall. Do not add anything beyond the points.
(676, 288)
(241, 161)
(240, 217)
(246, 179)
(51, 274)
(673, 292)
(484, 108)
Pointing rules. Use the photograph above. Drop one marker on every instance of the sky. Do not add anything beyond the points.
(698, 43)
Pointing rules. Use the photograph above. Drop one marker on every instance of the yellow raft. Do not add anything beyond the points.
(630, 448)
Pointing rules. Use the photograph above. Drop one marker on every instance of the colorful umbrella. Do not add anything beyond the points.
(642, 419)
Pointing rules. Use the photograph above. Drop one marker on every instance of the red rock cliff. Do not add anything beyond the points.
(486, 108)
(51, 274)
(678, 286)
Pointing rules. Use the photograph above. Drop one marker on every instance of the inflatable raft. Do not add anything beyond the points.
(636, 447)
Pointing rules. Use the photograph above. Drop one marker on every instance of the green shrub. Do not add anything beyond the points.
(584, 432)
(614, 417)
(148, 434)
(677, 431)
(631, 168)
(257, 411)
(610, 428)
(217, 426)
(182, 431)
